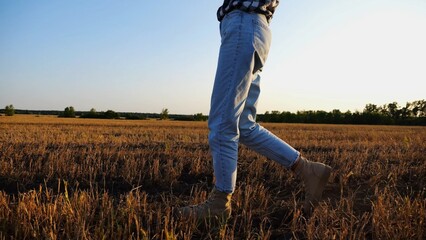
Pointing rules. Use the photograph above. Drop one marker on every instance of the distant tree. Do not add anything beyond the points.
(422, 107)
(9, 110)
(265, 117)
(383, 110)
(134, 116)
(393, 110)
(274, 116)
(69, 112)
(336, 116)
(371, 108)
(200, 117)
(347, 116)
(91, 114)
(164, 114)
(419, 108)
(287, 117)
(406, 111)
(110, 114)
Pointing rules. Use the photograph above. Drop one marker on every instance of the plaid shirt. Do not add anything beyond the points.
(266, 7)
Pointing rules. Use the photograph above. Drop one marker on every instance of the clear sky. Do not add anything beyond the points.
(143, 56)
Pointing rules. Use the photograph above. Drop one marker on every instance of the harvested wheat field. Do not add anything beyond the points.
(119, 179)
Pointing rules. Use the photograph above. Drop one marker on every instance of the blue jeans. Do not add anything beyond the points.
(244, 48)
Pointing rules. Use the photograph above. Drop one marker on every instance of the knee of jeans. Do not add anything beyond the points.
(227, 135)
(247, 131)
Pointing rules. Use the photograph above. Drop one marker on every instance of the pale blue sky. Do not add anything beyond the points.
(142, 56)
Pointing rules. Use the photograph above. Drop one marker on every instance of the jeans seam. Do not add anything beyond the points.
(226, 105)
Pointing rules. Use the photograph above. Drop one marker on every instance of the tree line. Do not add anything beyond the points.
(69, 112)
(413, 113)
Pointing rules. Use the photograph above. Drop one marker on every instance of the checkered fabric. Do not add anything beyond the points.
(266, 7)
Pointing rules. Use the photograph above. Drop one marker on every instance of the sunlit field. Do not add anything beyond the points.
(119, 179)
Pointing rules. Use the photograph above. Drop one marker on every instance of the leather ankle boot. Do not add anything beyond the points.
(315, 176)
(218, 205)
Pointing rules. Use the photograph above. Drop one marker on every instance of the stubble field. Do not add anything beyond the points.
(117, 179)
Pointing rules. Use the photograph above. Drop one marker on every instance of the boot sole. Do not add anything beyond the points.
(187, 214)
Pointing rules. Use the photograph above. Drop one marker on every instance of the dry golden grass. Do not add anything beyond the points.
(117, 179)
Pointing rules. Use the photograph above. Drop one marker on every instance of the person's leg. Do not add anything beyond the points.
(260, 139)
(243, 50)
(314, 175)
(245, 45)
